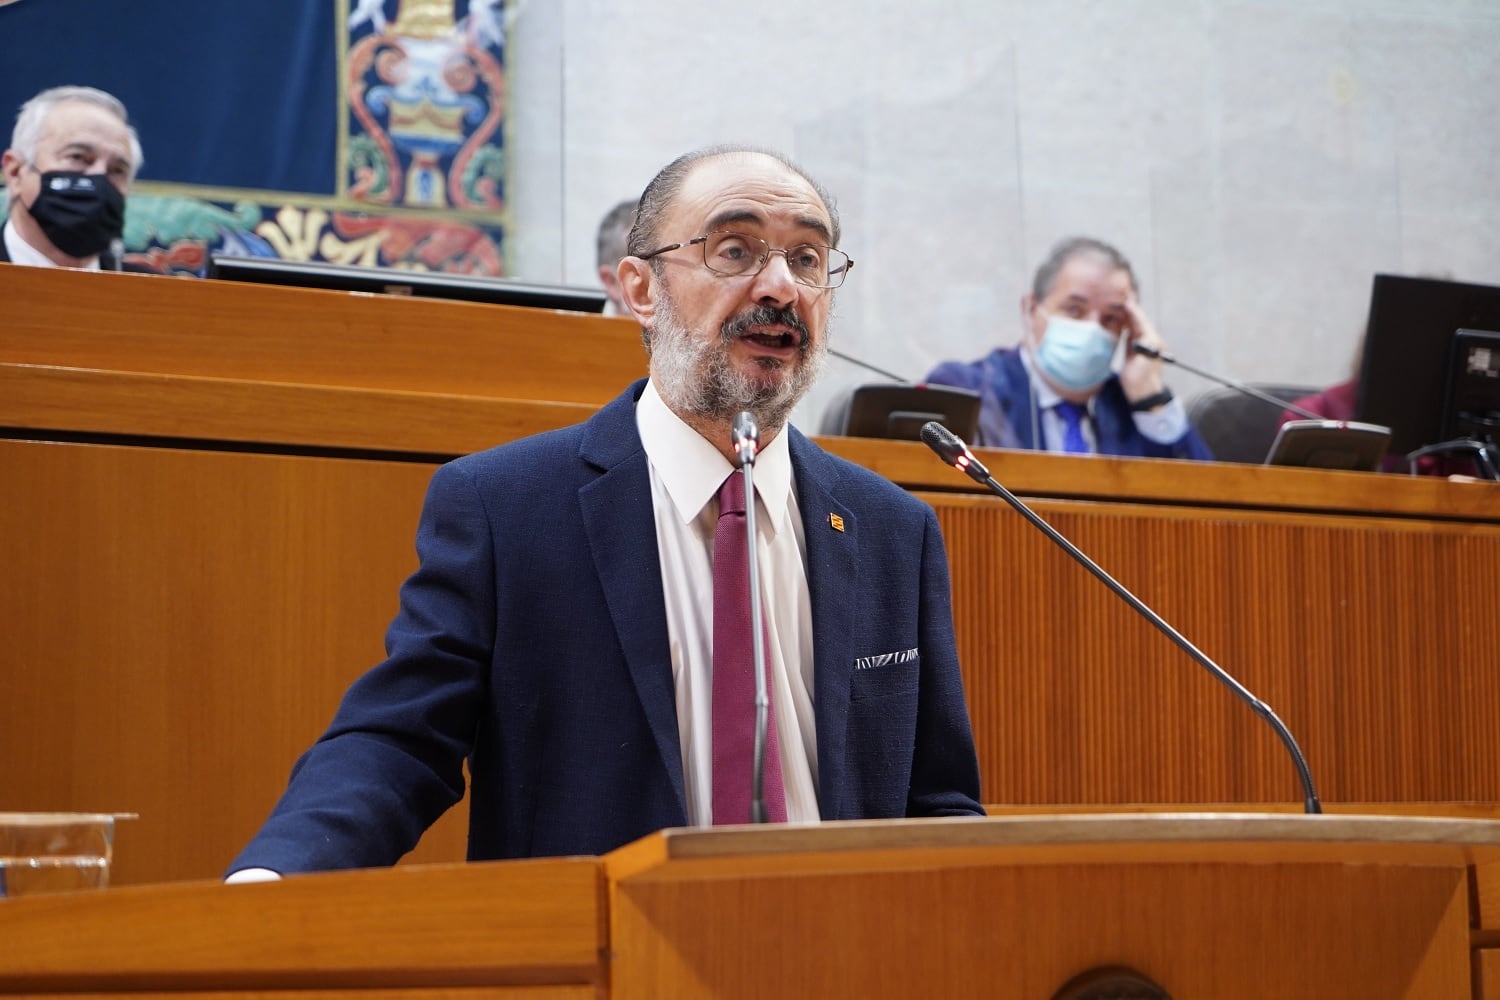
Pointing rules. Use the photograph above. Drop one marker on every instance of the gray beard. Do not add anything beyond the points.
(696, 377)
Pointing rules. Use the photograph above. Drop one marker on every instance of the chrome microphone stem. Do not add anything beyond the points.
(745, 438)
(758, 651)
(1249, 390)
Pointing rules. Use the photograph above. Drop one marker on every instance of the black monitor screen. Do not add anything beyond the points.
(391, 281)
(899, 411)
(1409, 344)
(1471, 407)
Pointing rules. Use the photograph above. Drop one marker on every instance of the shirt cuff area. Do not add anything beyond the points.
(1165, 424)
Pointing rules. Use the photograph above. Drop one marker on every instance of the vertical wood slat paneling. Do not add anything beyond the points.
(180, 625)
(1371, 639)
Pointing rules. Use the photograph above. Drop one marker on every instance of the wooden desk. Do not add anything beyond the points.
(1229, 906)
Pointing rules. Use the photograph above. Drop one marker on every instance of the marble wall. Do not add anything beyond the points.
(1258, 160)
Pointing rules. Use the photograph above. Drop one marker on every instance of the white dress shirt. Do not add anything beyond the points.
(21, 252)
(686, 473)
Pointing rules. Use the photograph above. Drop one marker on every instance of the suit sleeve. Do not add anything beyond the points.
(391, 762)
(945, 770)
(960, 374)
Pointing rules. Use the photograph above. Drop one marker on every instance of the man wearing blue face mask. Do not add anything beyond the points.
(1058, 389)
(68, 169)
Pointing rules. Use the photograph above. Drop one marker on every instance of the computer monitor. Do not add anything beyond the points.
(1409, 349)
(899, 411)
(1471, 397)
(393, 281)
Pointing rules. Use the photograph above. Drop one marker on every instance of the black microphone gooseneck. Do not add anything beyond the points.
(745, 437)
(869, 367)
(1248, 390)
(951, 449)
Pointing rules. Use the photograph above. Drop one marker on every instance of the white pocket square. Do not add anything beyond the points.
(885, 659)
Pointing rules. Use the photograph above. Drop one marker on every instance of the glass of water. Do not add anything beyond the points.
(54, 852)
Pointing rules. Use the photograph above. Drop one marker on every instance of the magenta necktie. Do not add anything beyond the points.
(734, 684)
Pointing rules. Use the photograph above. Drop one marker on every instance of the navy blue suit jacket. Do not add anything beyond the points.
(1006, 414)
(532, 641)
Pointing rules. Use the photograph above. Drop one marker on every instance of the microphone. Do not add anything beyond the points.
(951, 449)
(1248, 390)
(745, 438)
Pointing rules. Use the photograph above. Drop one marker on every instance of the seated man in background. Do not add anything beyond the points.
(1057, 390)
(614, 230)
(71, 160)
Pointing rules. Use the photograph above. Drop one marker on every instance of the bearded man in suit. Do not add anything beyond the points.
(558, 634)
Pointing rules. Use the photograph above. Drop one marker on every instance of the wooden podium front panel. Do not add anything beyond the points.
(1371, 638)
(180, 625)
(530, 929)
(1230, 932)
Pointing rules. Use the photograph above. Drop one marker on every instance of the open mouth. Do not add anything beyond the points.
(772, 340)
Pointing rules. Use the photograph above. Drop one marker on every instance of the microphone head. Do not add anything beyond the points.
(745, 436)
(951, 449)
(1152, 352)
(948, 445)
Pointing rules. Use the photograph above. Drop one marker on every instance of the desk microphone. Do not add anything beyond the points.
(951, 449)
(745, 437)
(1248, 390)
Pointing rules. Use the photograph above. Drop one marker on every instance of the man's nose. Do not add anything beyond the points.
(775, 283)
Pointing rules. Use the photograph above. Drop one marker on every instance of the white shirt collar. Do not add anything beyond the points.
(692, 469)
(21, 252)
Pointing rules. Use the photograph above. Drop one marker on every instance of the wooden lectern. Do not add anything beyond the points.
(1219, 906)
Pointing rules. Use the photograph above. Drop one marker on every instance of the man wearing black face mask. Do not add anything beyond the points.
(71, 159)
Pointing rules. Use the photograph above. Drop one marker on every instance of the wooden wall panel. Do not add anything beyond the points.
(179, 625)
(1367, 637)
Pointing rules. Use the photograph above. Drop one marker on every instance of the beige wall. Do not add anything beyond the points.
(1258, 161)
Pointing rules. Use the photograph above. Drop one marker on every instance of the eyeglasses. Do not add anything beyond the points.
(738, 255)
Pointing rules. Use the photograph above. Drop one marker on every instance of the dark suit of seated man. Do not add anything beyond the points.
(559, 635)
(1058, 390)
(72, 158)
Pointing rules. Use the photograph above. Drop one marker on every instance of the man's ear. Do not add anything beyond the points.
(1028, 318)
(609, 280)
(11, 164)
(638, 288)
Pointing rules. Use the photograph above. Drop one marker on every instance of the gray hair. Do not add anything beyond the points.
(663, 189)
(1046, 275)
(35, 111)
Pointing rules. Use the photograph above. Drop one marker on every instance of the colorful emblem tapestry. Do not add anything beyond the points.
(355, 131)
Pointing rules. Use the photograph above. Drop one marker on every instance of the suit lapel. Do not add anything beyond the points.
(832, 566)
(1019, 413)
(617, 517)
